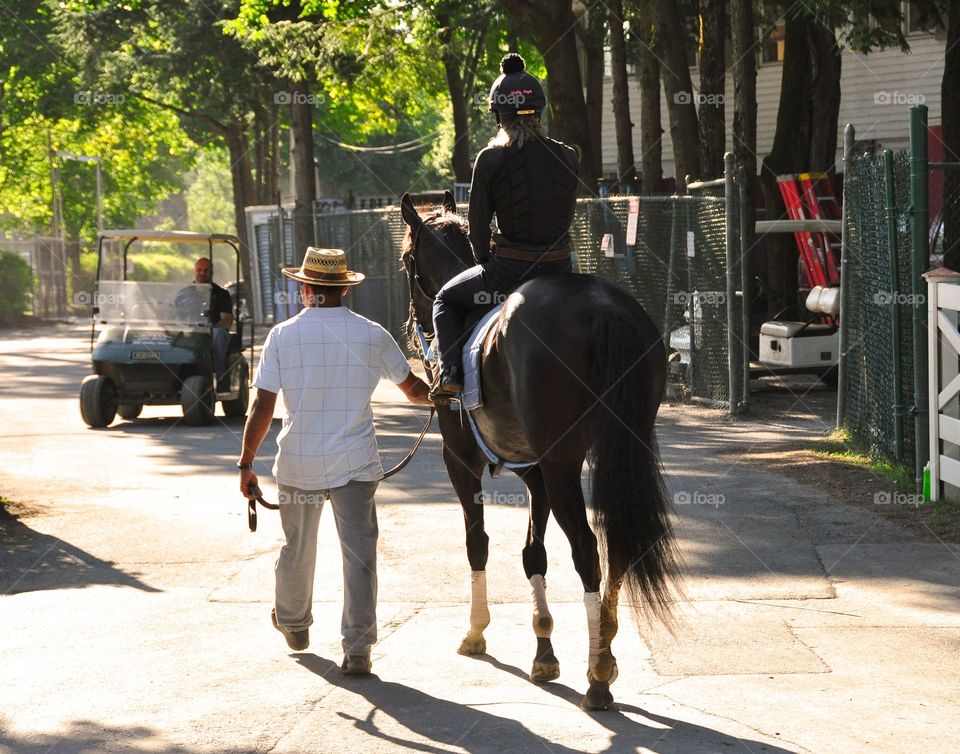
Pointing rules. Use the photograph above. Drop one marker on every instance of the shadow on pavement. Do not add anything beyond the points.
(451, 724)
(31, 561)
(83, 736)
(671, 735)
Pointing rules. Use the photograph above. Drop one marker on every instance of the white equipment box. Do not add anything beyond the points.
(794, 344)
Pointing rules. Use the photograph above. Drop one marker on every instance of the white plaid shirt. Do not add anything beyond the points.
(327, 362)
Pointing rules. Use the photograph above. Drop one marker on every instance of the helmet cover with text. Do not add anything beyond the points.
(516, 92)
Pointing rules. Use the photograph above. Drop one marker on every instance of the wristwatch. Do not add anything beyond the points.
(242, 466)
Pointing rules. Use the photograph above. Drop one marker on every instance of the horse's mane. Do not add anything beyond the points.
(438, 219)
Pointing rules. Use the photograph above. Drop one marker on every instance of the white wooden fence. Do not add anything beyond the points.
(943, 312)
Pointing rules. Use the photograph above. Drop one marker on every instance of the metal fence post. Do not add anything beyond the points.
(919, 262)
(729, 196)
(849, 135)
(891, 209)
(746, 234)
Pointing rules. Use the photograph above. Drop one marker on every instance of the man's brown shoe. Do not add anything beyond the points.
(296, 640)
(356, 665)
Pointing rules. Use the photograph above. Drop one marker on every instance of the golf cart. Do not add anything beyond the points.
(153, 343)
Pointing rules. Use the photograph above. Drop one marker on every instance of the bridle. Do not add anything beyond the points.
(424, 338)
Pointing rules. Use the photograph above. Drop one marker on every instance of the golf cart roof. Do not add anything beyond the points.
(170, 236)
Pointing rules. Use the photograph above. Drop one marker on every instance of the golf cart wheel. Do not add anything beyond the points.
(238, 407)
(129, 410)
(98, 400)
(197, 400)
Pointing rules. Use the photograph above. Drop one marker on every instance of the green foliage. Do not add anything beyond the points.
(48, 105)
(15, 285)
(160, 267)
(210, 195)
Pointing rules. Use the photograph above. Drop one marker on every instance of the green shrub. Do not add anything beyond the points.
(15, 285)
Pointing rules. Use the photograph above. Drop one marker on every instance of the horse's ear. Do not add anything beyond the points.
(449, 203)
(409, 213)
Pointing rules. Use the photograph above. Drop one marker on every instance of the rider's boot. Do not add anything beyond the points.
(448, 385)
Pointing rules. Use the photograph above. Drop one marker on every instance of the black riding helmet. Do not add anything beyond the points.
(516, 93)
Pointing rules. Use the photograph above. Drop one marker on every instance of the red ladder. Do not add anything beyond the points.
(813, 268)
(821, 203)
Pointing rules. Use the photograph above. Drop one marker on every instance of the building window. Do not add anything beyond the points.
(919, 20)
(772, 44)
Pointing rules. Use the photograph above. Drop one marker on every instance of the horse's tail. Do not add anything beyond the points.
(628, 493)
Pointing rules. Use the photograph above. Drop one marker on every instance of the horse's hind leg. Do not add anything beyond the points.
(546, 667)
(567, 506)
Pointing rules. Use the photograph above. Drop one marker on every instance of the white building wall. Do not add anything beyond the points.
(877, 91)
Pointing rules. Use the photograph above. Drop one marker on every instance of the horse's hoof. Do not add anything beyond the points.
(598, 697)
(543, 672)
(472, 646)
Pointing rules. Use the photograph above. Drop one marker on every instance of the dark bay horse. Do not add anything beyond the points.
(573, 367)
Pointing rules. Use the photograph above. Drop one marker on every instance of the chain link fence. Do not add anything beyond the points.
(48, 259)
(879, 307)
(676, 269)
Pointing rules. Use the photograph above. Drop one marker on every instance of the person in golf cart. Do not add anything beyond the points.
(220, 313)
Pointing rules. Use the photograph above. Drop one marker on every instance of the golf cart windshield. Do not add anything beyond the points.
(160, 305)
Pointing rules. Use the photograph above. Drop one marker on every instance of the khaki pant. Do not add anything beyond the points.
(355, 514)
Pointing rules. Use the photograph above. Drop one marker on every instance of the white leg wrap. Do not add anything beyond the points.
(542, 620)
(479, 613)
(591, 601)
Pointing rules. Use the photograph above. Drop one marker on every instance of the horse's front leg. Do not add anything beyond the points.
(466, 481)
(546, 667)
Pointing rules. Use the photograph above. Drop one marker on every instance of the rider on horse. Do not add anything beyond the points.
(530, 182)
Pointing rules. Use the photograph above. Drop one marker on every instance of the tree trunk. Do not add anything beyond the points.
(743, 50)
(651, 118)
(305, 182)
(711, 112)
(626, 170)
(593, 27)
(462, 169)
(809, 105)
(244, 190)
(549, 23)
(742, 34)
(950, 109)
(671, 46)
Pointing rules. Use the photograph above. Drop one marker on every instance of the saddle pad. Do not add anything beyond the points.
(472, 397)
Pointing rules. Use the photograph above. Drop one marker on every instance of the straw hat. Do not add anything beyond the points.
(324, 267)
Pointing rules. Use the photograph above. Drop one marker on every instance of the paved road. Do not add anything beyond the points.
(135, 614)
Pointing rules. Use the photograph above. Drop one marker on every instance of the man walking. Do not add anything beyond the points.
(327, 361)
